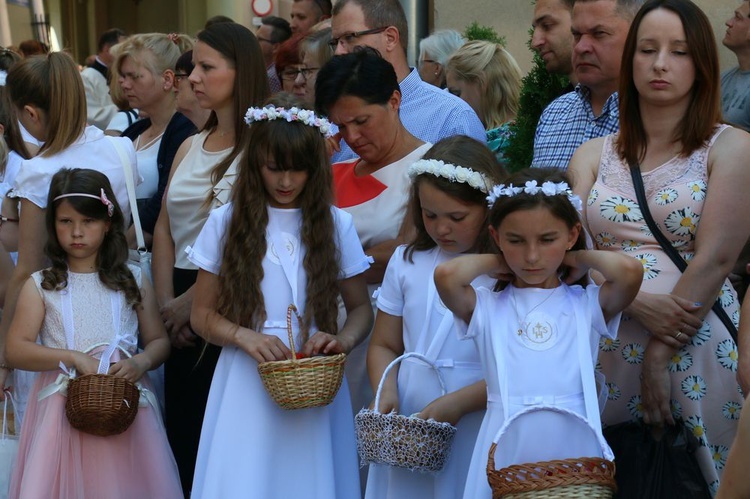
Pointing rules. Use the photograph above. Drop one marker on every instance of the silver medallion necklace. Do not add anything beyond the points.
(515, 308)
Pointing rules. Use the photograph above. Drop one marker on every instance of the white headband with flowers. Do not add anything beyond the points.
(548, 189)
(271, 112)
(453, 173)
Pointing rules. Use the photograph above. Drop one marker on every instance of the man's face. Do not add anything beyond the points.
(738, 28)
(599, 34)
(552, 37)
(351, 20)
(267, 47)
(305, 14)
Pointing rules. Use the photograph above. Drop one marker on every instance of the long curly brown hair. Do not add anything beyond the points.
(292, 146)
(111, 261)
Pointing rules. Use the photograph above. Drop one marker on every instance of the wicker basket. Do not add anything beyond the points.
(101, 404)
(302, 383)
(586, 477)
(403, 441)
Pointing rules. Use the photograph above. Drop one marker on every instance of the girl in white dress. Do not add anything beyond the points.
(89, 298)
(449, 211)
(538, 335)
(278, 242)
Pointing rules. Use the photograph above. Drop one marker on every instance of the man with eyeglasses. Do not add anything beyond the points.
(270, 34)
(308, 13)
(429, 113)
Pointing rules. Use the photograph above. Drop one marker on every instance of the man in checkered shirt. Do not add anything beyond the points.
(599, 30)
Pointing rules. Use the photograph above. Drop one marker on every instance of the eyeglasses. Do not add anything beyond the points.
(348, 38)
(291, 74)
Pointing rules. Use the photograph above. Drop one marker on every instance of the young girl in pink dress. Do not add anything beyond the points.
(89, 298)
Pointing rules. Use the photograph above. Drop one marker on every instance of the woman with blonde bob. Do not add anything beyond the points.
(145, 67)
(488, 78)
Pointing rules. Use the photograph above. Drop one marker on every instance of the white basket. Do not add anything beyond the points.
(403, 441)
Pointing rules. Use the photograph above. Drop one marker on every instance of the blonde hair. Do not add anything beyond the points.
(115, 90)
(497, 73)
(156, 52)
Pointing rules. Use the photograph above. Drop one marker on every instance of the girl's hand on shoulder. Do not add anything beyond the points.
(443, 410)
(84, 363)
(262, 347)
(132, 369)
(333, 144)
(576, 268)
(502, 270)
(325, 344)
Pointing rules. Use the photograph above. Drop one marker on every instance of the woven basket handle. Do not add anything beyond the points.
(398, 360)
(606, 451)
(292, 309)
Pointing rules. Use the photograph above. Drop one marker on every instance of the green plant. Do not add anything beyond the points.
(476, 32)
(538, 88)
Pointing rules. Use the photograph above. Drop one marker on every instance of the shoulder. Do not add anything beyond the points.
(731, 146)
(136, 128)
(564, 104)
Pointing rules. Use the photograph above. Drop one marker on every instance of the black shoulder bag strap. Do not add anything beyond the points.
(672, 253)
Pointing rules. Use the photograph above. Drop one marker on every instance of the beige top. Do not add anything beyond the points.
(186, 196)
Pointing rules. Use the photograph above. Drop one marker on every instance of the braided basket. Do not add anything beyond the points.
(403, 441)
(302, 383)
(586, 477)
(101, 404)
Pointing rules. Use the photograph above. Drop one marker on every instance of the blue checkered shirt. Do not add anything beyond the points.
(567, 123)
(430, 114)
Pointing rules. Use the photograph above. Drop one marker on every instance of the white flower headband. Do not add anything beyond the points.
(548, 189)
(271, 112)
(453, 173)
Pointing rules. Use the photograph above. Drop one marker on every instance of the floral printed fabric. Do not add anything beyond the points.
(705, 393)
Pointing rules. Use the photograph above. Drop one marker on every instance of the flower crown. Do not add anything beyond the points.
(548, 189)
(271, 112)
(453, 173)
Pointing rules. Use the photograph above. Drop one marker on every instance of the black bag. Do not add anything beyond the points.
(651, 468)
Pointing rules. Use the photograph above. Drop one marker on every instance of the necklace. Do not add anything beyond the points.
(515, 308)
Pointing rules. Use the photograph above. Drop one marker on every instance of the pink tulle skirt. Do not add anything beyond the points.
(58, 461)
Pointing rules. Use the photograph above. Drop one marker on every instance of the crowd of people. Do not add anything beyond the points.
(306, 163)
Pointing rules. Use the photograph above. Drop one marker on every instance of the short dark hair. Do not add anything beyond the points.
(362, 73)
(184, 63)
(325, 6)
(380, 13)
(216, 20)
(110, 37)
(624, 8)
(280, 29)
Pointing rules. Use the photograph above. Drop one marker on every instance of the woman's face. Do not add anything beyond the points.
(185, 101)
(140, 87)
(369, 129)
(212, 78)
(663, 69)
(469, 91)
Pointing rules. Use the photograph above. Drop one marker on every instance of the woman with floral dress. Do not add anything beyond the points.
(673, 358)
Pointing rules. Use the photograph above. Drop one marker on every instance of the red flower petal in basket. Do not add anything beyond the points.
(300, 355)
(352, 190)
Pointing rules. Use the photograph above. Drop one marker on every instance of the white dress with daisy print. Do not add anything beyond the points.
(705, 393)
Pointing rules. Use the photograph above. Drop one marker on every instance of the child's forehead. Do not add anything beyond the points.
(537, 219)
